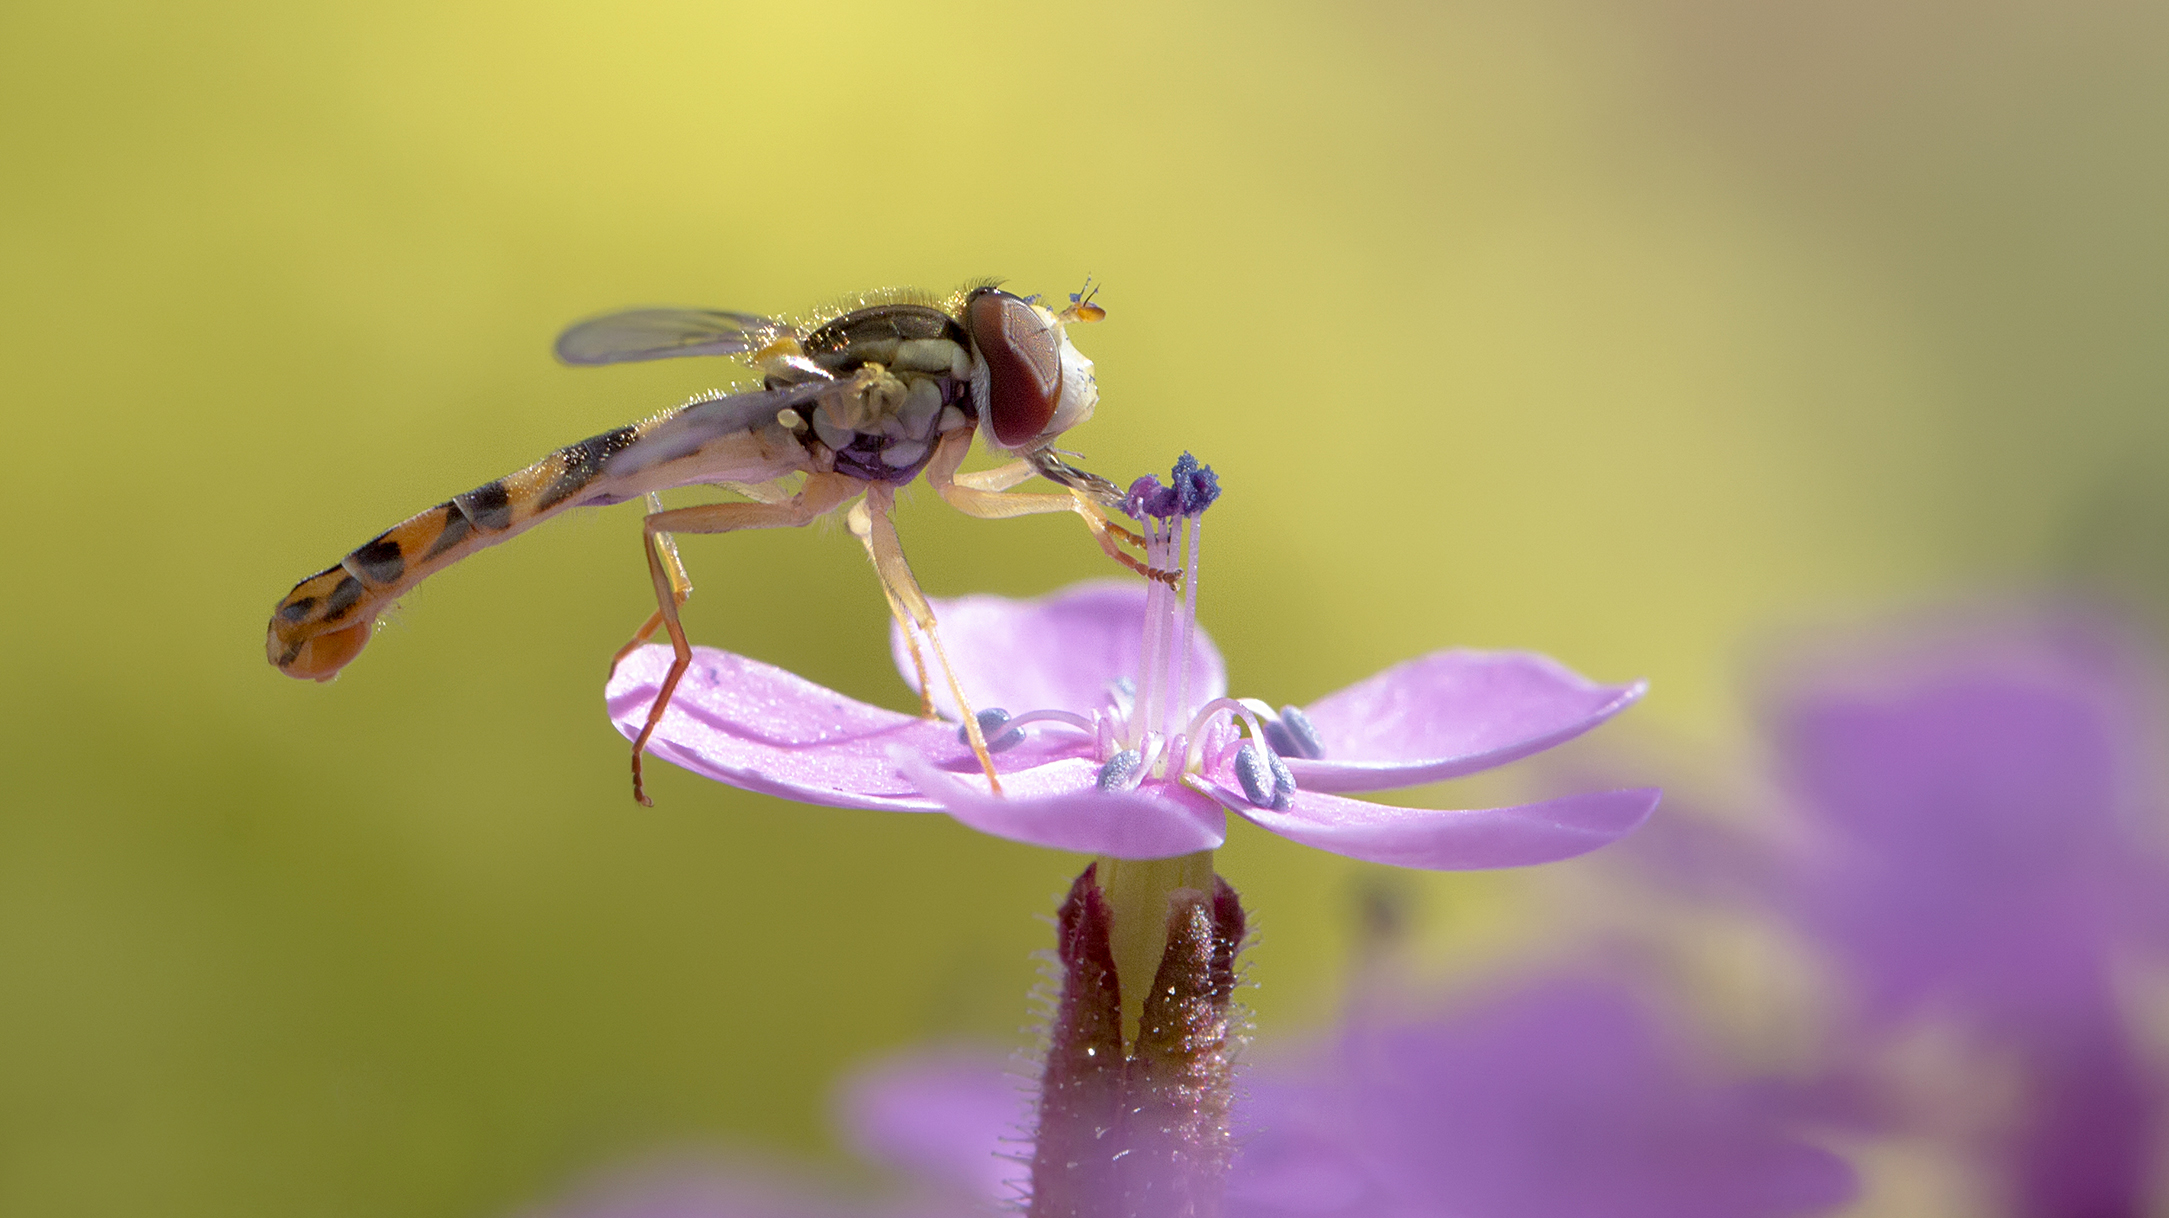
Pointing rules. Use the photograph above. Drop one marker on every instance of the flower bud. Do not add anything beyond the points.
(1139, 1131)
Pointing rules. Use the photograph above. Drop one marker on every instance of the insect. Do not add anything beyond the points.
(858, 400)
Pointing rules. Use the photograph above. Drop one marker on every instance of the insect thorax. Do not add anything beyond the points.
(911, 368)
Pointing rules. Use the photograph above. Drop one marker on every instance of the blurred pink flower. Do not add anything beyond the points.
(1567, 1098)
(1114, 733)
(1986, 812)
(1564, 1100)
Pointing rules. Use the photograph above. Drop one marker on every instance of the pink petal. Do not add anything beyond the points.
(1060, 805)
(1059, 652)
(1438, 839)
(954, 1115)
(756, 726)
(1451, 713)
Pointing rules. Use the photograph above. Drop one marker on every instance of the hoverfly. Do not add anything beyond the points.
(859, 400)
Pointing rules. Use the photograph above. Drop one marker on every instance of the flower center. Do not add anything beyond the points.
(1151, 726)
(1157, 729)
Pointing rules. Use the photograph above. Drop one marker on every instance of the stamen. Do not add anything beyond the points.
(1120, 769)
(994, 719)
(1292, 735)
(1195, 526)
(1149, 711)
(1192, 488)
(1154, 746)
(1082, 723)
(1283, 781)
(991, 720)
(1169, 534)
(1199, 721)
(1261, 778)
(1172, 530)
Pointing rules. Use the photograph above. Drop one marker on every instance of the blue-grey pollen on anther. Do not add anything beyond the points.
(1265, 777)
(1292, 735)
(1115, 775)
(991, 721)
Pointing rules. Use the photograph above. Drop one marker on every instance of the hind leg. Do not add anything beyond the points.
(823, 493)
(681, 588)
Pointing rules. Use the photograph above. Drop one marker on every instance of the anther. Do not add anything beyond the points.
(1116, 774)
(1292, 735)
(1266, 781)
(1122, 691)
(992, 720)
(1283, 781)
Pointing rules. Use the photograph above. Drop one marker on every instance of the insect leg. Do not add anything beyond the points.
(821, 494)
(899, 583)
(1003, 477)
(681, 587)
(1001, 504)
(862, 527)
(1000, 478)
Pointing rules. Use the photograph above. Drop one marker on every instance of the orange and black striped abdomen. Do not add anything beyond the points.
(325, 621)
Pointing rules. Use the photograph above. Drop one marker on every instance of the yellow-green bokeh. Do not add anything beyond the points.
(1620, 332)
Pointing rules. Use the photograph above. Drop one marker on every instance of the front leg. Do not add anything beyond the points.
(985, 495)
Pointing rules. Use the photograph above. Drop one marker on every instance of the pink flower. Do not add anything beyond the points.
(1114, 733)
(1986, 808)
(1563, 1098)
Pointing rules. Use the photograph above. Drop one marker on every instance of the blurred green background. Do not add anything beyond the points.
(1620, 331)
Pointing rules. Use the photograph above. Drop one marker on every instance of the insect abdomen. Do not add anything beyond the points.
(325, 621)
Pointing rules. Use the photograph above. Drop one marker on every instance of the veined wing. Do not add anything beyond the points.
(715, 439)
(642, 334)
(324, 622)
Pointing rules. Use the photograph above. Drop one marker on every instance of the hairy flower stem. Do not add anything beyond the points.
(1142, 1132)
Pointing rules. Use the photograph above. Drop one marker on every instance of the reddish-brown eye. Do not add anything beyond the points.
(1024, 366)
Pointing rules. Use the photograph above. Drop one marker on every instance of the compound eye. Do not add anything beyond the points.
(1023, 355)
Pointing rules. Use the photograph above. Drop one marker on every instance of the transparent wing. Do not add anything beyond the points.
(725, 412)
(638, 334)
(696, 426)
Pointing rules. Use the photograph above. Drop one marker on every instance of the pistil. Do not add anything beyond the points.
(1160, 736)
(1140, 894)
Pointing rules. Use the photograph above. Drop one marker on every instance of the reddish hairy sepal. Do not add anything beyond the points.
(1142, 1134)
(1080, 1091)
(1180, 1075)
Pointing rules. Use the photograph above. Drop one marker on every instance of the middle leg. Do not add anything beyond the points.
(861, 524)
(904, 595)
